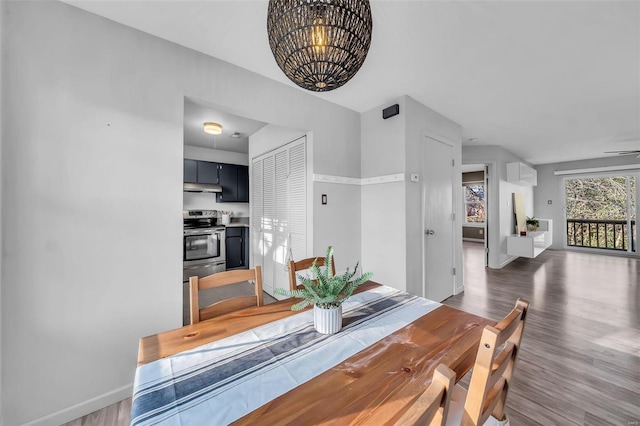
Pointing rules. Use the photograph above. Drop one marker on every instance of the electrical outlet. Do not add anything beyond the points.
(324, 198)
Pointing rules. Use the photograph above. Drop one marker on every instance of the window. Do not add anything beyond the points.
(601, 212)
(474, 202)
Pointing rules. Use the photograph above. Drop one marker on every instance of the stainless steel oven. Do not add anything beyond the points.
(203, 250)
(203, 247)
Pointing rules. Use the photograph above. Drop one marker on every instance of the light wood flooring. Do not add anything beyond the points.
(580, 358)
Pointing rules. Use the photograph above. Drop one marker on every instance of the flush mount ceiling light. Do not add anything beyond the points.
(319, 44)
(212, 128)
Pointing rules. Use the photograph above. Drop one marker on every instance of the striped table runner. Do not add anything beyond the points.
(222, 381)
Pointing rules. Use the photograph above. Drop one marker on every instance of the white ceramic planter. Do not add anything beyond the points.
(327, 321)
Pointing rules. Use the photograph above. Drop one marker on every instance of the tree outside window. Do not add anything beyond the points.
(474, 202)
(601, 212)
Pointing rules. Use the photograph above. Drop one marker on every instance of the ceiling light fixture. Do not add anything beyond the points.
(212, 128)
(319, 44)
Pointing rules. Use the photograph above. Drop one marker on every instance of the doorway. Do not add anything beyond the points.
(475, 188)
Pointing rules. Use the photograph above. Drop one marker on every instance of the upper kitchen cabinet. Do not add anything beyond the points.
(200, 172)
(190, 171)
(208, 172)
(243, 184)
(234, 180)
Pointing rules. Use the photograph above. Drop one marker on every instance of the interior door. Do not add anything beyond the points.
(438, 220)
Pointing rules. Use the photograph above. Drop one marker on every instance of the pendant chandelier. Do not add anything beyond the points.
(319, 44)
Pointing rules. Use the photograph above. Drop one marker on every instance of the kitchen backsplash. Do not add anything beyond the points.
(204, 201)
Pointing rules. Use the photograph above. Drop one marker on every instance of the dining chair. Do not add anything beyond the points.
(484, 402)
(225, 306)
(432, 406)
(304, 264)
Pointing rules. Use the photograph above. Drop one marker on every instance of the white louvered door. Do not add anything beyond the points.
(279, 206)
(279, 254)
(257, 199)
(298, 201)
(268, 214)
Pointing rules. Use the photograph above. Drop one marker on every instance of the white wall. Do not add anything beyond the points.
(344, 217)
(500, 207)
(2, 137)
(550, 187)
(383, 228)
(215, 155)
(203, 201)
(92, 256)
(392, 229)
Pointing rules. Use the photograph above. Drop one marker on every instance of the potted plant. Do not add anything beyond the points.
(326, 293)
(532, 224)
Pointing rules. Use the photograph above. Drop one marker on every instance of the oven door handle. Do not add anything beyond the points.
(193, 267)
(196, 232)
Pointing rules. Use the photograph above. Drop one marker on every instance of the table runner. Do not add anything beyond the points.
(221, 381)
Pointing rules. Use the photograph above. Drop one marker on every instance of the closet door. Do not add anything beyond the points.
(268, 222)
(279, 212)
(281, 219)
(297, 199)
(257, 191)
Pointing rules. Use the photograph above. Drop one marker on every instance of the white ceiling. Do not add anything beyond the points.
(197, 112)
(548, 80)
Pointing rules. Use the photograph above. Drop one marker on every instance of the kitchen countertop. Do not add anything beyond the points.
(238, 222)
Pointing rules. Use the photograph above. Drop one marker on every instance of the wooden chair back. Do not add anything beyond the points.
(304, 264)
(228, 305)
(493, 369)
(432, 405)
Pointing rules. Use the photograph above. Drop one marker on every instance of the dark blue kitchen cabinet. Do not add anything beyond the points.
(190, 171)
(234, 180)
(237, 247)
(208, 172)
(245, 246)
(196, 171)
(243, 184)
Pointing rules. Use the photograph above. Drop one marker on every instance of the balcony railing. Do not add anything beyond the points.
(602, 234)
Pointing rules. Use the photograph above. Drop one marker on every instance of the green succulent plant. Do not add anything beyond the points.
(326, 290)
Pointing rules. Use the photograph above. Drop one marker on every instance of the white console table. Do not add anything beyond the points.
(532, 244)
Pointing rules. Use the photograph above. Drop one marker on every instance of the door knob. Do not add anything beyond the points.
(429, 231)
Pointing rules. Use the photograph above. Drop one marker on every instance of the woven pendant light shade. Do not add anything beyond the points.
(319, 44)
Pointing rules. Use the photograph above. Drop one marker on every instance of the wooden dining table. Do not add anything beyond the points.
(375, 385)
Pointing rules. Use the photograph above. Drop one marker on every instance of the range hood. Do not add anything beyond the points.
(201, 187)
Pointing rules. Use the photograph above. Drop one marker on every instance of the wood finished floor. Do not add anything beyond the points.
(580, 357)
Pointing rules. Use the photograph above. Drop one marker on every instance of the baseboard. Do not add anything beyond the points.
(83, 408)
(508, 261)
